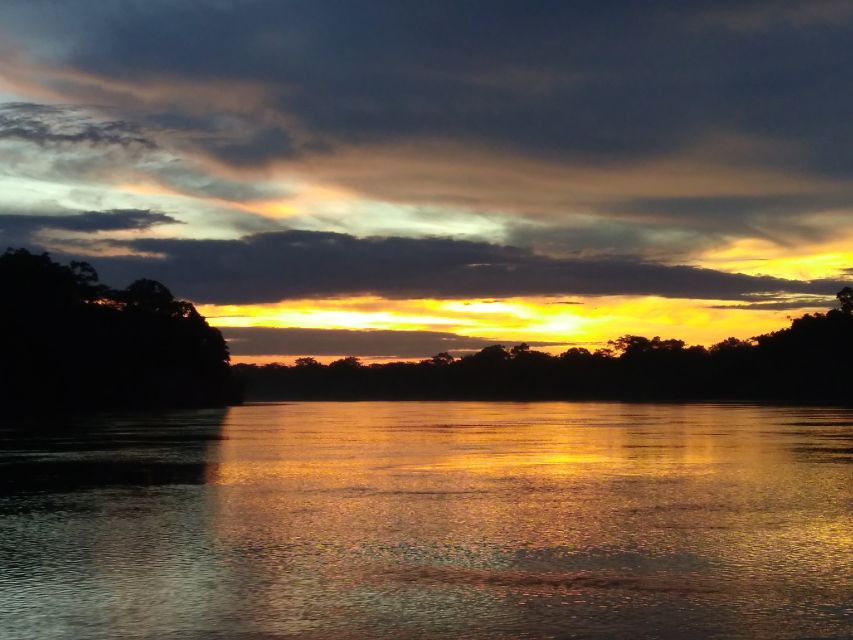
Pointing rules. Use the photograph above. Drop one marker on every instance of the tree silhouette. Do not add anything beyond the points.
(307, 362)
(845, 300)
(519, 350)
(494, 354)
(150, 296)
(440, 359)
(68, 341)
(350, 362)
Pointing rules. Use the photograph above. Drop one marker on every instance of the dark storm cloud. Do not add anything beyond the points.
(721, 210)
(610, 238)
(19, 229)
(598, 81)
(695, 222)
(234, 139)
(246, 341)
(268, 267)
(536, 77)
(45, 125)
(260, 146)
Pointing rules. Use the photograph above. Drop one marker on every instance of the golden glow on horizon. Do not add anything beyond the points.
(588, 322)
(289, 360)
(755, 256)
(358, 313)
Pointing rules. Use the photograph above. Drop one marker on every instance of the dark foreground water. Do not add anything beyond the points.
(431, 520)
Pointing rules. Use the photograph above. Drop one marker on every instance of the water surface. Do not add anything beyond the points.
(431, 520)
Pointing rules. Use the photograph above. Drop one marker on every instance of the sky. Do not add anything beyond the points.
(395, 178)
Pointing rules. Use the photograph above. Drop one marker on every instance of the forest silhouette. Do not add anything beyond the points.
(811, 361)
(70, 342)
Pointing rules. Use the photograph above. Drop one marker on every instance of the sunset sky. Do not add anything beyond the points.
(392, 179)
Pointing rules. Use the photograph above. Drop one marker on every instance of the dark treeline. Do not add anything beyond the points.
(810, 361)
(68, 341)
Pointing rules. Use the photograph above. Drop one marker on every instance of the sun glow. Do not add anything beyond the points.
(755, 256)
(588, 322)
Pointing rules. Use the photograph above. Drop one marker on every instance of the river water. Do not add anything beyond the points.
(431, 520)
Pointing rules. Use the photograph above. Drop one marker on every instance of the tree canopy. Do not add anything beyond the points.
(66, 340)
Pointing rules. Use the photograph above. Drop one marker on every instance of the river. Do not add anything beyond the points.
(430, 520)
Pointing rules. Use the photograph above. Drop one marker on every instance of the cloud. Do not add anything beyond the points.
(22, 229)
(249, 341)
(269, 267)
(715, 189)
(751, 16)
(784, 303)
(252, 147)
(674, 205)
(195, 182)
(71, 157)
(64, 145)
(45, 125)
(592, 82)
(675, 136)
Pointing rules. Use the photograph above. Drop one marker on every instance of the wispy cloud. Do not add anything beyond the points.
(46, 125)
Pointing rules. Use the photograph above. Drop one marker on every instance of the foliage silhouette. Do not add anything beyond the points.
(67, 341)
(845, 300)
(811, 361)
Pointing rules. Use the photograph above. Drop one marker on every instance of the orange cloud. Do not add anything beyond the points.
(451, 174)
(21, 74)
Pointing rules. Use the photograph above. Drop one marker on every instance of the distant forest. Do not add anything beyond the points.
(69, 342)
(811, 361)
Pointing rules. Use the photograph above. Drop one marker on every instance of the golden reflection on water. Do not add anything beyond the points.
(419, 507)
(389, 447)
